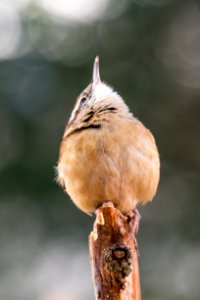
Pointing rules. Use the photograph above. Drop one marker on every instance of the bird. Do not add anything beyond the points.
(107, 154)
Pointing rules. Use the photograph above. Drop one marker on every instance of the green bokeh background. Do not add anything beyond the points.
(150, 53)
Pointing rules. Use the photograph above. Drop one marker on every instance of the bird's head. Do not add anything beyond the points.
(97, 98)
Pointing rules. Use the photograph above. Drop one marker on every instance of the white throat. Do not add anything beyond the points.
(105, 95)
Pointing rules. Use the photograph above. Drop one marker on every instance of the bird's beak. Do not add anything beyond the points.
(96, 77)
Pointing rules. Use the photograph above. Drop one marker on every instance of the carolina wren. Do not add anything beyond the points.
(106, 153)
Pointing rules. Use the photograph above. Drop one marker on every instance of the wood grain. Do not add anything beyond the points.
(114, 256)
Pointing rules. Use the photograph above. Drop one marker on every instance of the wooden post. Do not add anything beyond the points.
(114, 256)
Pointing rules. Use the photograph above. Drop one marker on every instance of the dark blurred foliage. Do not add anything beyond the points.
(150, 53)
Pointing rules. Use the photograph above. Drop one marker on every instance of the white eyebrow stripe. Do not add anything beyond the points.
(76, 108)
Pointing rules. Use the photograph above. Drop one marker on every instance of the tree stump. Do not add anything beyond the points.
(114, 256)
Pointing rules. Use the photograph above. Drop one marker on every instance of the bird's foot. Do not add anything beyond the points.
(135, 217)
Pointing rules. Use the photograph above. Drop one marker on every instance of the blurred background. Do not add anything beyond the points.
(150, 52)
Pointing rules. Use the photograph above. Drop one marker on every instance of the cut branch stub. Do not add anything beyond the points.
(114, 257)
(117, 260)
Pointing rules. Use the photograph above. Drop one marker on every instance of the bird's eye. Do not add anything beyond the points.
(83, 100)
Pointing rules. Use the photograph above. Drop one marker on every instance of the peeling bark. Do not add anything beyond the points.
(114, 256)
